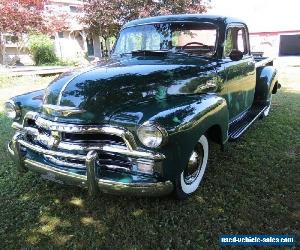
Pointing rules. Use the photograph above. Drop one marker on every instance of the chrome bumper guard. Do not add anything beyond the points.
(89, 180)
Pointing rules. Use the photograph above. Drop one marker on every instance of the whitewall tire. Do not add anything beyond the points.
(191, 177)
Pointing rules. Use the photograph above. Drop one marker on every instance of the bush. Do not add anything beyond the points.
(41, 47)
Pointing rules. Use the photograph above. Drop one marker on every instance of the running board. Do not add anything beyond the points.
(240, 125)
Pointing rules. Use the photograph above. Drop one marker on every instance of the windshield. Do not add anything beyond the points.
(194, 38)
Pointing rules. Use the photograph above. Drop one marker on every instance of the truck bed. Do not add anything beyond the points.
(261, 61)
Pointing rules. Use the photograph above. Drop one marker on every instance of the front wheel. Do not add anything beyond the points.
(191, 177)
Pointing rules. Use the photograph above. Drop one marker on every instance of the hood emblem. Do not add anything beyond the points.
(57, 110)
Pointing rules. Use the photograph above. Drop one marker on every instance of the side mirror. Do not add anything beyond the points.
(236, 55)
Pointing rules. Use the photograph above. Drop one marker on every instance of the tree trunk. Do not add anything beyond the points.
(85, 49)
(2, 49)
(57, 42)
(107, 45)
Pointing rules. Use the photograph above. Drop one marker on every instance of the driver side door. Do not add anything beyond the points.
(240, 76)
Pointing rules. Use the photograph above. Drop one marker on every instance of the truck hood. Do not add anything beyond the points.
(97, 92)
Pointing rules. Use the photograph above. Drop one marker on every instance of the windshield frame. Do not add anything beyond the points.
(213, 54)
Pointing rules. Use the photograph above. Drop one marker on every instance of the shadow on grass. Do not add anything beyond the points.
(249, 189)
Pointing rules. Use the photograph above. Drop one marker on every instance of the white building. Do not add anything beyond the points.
(273, 25)
(73, 44)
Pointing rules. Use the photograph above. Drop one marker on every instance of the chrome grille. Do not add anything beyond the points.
(40, 131)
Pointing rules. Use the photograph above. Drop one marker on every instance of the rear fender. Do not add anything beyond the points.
(266, 83)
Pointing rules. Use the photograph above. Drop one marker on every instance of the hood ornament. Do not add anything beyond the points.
(57, 110)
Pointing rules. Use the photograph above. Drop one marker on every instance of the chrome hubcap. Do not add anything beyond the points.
(194, 165)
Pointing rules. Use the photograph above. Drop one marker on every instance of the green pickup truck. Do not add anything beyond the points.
(140, 121)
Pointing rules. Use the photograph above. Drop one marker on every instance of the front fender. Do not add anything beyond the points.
(186, 124)
(266, 78)
(185, 118)
(31, 101)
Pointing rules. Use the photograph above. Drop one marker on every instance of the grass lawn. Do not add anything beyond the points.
(252, 188)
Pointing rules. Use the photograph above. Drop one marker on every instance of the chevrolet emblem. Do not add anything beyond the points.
(56, 110)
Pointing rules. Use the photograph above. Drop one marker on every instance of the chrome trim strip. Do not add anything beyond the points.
(41, 150)
(136, 154)
(67, 83)
(55, 161)
(43, 168)
(107, 148)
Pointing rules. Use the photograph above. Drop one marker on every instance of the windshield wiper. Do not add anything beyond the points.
(188, 53)
(145, 52)
(149, 52)
(159, 53)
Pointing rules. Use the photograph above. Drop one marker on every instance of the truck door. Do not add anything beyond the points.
(240, 76)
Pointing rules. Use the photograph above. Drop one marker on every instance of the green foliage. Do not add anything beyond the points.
(41, 47)
(67, 62)
(4, 79)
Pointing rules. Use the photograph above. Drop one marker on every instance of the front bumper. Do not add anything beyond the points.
(89, 180)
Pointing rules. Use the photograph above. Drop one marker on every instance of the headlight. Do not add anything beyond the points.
(12, 110)
(151, 135)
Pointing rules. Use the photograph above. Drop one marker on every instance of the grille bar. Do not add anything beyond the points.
(47, 125)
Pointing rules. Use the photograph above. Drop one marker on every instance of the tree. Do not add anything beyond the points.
(55, 21)
(105, 17)
(101, 17)
(21, 17)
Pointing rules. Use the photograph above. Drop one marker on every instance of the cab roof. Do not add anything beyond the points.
(216, 19)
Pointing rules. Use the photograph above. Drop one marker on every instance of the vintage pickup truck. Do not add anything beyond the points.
(139, 122)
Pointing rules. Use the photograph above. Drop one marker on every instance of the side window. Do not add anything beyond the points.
(242, 41)
(228, 42)
(236, 39)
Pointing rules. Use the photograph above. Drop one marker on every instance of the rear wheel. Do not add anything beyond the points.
(191, 177)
